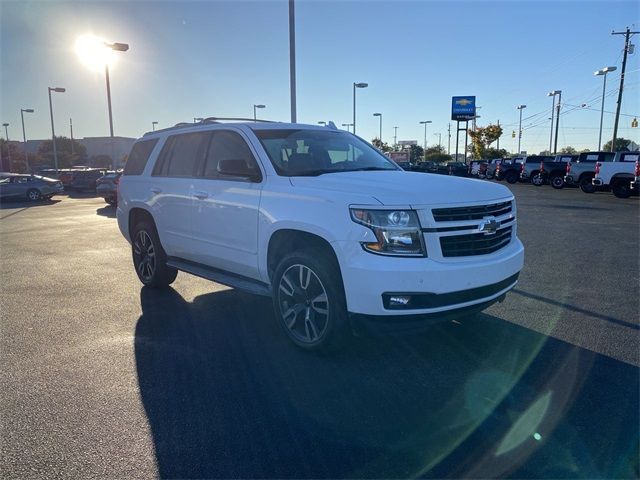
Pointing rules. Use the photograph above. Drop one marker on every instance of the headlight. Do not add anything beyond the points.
(397, 231)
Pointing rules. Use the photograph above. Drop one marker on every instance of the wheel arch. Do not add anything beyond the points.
(137, 214)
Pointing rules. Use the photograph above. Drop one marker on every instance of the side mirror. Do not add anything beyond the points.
(238, 168)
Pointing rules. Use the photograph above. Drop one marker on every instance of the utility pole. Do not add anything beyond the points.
(292, 58)
(449, 144)
(555, 143)
(71, 127)
(395, 138)
(627, 35)
(498, 147)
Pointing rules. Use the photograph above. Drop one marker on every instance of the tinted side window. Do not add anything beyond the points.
(226, 146)
(607, 157)
(139, 157)
(188, 150)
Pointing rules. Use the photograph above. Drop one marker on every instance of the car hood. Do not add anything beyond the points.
(406, 188)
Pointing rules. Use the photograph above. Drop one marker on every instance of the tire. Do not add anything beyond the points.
(537, 179)
(308, 300)
(111, 201)
(586, 186)
(149, 258)
(33, 195)
(557, 182)
(512, 177)
(621, 189)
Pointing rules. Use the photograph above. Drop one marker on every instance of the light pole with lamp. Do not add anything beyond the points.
(439, 135)
(254, 110)
(322, 122)
(356, 85)
(603, 72)
(425, 123)
(197, 119)
(53, 132)
(520, 107)
(347, 125)
(553, 107)
(24, 137)
(380, 137)
(395, 138)
(6, 132)
(153, 126)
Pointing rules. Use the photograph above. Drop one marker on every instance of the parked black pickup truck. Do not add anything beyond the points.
(552, 171)
(509, 170)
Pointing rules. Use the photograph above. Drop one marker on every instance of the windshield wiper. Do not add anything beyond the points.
(369, 169)
(308, 173)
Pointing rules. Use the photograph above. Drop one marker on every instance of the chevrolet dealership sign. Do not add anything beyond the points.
(463, 108)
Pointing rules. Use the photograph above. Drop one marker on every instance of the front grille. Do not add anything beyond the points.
(470, 213)
(475, 243)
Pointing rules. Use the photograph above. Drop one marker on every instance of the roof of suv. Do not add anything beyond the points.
(257, 125)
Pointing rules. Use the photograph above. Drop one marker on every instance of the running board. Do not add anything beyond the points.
(238, 282)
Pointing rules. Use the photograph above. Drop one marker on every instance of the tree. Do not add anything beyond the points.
(482, 138)
(621, 145)
(435, 149)
(569, 150)
(438, 157)
(380, 145)
(63, 147)
(491, 153)
(416, 153)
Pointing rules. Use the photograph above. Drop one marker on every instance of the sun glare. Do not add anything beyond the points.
(93, 53)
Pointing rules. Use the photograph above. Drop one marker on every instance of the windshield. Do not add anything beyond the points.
(303, 152)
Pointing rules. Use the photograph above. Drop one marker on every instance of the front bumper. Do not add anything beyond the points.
(448, 285)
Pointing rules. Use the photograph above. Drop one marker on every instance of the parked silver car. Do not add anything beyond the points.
(28, 187)
(107, 187)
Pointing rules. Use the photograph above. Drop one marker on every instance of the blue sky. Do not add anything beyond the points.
(215, 58)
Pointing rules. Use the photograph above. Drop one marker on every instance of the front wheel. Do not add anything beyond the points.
(621, 189)
(149, 258)
(33, 195)
(308, 300)
(557, 182)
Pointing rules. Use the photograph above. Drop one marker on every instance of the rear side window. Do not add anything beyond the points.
(181, 155)
(139, 157)
(629, 157)
(227, 146)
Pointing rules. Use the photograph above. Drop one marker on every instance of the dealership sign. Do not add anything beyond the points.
(463, 108)
(407, 143)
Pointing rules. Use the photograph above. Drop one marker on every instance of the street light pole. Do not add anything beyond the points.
(380, 137)
(356, 85)
(424, 153)
(6, 132)
(53, 132)
(292, 58)
(347, 125)
(555, 143)
(603, 72)
(254, 110)
(71, 130)
(553, 107)
(395, 138)
(153, 126)
(118, 47)
(24, 137)
(439, 135)
(520, 107)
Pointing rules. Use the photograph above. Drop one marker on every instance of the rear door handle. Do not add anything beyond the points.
(200, 195)
(155, 190)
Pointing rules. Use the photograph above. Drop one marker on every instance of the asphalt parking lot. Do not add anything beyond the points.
(103, 378)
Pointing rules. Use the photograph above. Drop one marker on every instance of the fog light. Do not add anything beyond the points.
(398, 301)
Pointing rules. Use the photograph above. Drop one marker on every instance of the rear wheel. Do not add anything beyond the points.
(537, 179)
(557, 182)
(621, 189)
(149, 258)
(33, 195)
(308, 299)
(586, 185)
(512, 177)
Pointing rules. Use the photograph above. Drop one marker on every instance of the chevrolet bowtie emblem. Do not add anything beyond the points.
(464, 102)
(489, 226)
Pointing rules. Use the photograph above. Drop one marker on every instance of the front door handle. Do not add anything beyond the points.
(201, 195)
(155, 190)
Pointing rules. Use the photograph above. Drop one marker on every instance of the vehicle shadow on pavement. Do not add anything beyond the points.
(107, 211)
(227, 396)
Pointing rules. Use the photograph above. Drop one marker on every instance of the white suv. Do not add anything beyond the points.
(336, 233)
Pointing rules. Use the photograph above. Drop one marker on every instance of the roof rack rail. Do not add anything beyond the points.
(206, 121)
(236, 119)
